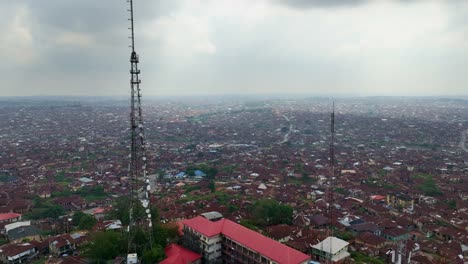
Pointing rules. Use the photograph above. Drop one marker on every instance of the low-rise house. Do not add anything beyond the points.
(395, 234)
(8, 218)
(318, 221)
(70, 202)
(365, 227)
(16, 253)
(61, 245)
(281, 233)
(332, 248)
(108, 225)
(372, 242)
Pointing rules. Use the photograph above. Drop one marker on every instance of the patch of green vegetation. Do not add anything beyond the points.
(308, 180)
(39, 261)
(4, 178)
(422, 176)
(105, 246)
(341, 191)
(47, 211)
(249, 224)
(429, 187)
(363, 258)
(88, 193)
(60, 177)
(270, 212)
(83, 221)
(388, 186)
(229, 169)
(3, 242)
(210, 171)
(452, 204)
(191, 188)
(372, 182)
(345, 235)
(294, 181)
(222, 197)
(232, 208)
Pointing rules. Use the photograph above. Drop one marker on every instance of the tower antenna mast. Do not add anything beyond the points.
(331, 184)
(138, 158)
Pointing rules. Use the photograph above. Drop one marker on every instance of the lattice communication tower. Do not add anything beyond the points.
(140, 182)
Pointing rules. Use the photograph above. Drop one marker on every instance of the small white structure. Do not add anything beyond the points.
(16, 225)
(132, 258)
(85, 180)
(262, 186)
(331, 248)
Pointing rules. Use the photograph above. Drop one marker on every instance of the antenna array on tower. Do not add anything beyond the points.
(138, 158)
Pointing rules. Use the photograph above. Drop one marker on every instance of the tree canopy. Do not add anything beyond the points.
(148, 243)
(270, 212)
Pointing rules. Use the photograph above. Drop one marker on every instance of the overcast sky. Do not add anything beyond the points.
(358, 47)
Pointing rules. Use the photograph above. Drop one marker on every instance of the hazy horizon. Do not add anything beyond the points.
(230, 47)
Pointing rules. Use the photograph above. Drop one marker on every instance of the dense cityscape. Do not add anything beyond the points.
(234, 132)
(261, 165)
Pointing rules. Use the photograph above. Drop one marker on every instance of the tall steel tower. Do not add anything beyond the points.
(140, 183)
(331, 183)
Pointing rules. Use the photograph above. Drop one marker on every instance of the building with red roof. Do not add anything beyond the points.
(176, 254)
(16, 253)
(9, 217)
(232, 243)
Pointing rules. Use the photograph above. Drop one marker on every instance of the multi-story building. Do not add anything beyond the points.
(224, 241)
(331, 249)
(400, 200)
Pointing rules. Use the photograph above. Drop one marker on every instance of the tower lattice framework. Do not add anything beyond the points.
(140, 182)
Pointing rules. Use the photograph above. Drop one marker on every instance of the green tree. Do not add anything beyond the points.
(153, 255)
(87, 222)
(429, 187)
(270, 212)
(211, 172)
(76, 218)
(104, 246)
(53, 212)
(191, 170)
(212, 186)
(452, 204)
(248, 223)
(121, 208)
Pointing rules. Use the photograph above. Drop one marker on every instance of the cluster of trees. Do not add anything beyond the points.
(88, 193)
(147, 242)
(44, 209)
(270, 212)
(429, 187)
(83, 221)
(210, 171)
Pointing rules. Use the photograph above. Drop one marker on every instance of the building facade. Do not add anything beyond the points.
(224, 241)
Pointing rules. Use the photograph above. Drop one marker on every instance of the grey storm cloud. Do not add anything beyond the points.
(321, 3)
(71, 47)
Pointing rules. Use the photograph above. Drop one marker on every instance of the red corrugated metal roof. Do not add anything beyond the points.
(268, 247)
(179, 255)
(205, 226)
(7, 216)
